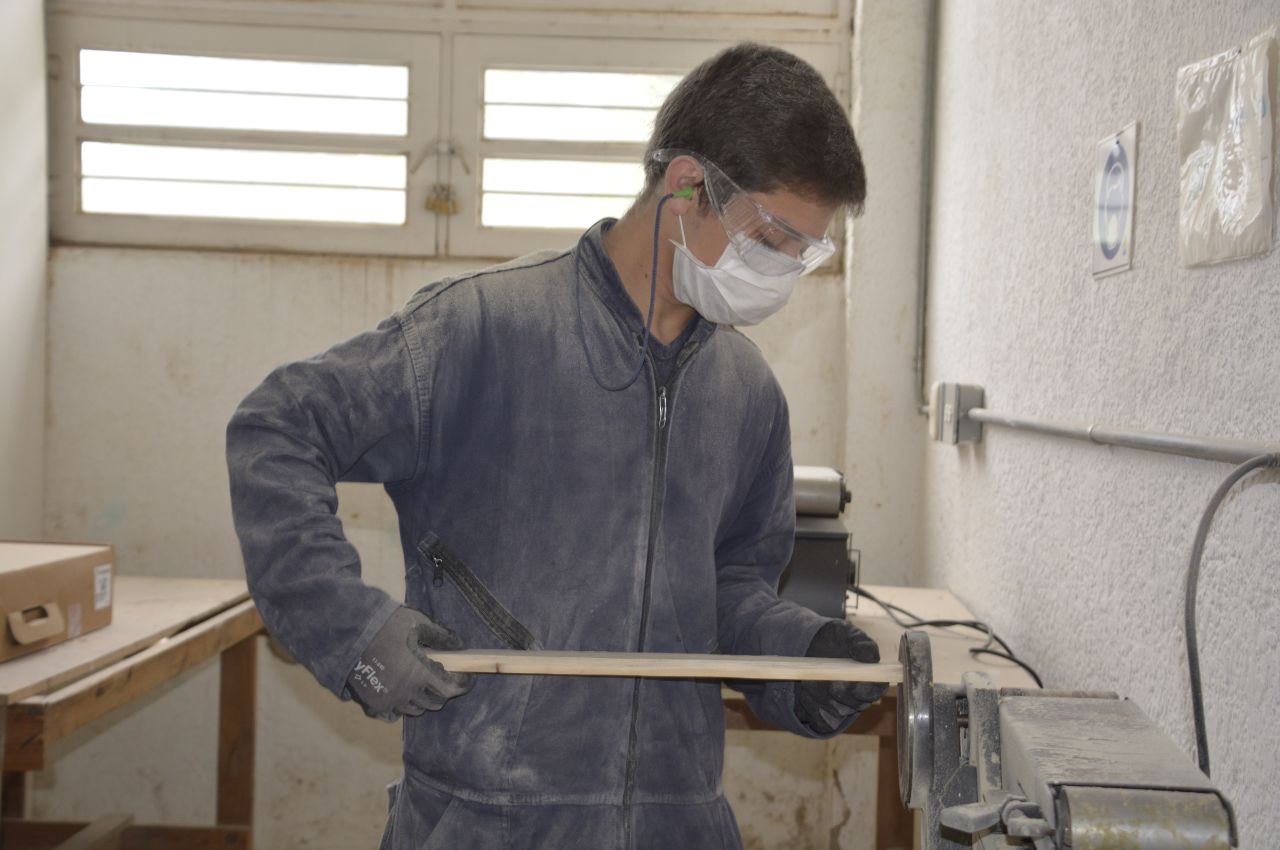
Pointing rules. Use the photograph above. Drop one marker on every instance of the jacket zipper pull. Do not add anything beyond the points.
(437, 577)
(662, 407)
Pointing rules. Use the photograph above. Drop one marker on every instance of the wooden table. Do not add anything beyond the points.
(160, 628)
(951, 660)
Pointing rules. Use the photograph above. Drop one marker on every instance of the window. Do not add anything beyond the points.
(301, 141)
(557, 128)
(130, 89)
(238, 183)
(526, 105)
(428, 131)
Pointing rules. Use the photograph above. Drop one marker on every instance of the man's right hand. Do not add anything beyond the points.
(394, 676)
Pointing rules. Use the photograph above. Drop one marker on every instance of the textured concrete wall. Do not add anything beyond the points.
(150, 352)
(1077, 553)
(24, 245)
(803, 344)
(884, 432)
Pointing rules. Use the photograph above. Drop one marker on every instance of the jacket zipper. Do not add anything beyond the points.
(659, 463)
(499, 620)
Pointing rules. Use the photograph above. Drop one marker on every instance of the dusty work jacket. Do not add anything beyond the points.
(537, 510)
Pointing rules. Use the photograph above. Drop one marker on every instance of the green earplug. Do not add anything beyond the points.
(686, 193)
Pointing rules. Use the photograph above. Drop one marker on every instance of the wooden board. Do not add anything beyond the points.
(146, 610)
(667, 665)
(951, 657)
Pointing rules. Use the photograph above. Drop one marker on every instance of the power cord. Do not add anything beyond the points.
(1193, 578)
(896, 612)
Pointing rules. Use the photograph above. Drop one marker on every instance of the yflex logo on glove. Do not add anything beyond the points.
(367, 674)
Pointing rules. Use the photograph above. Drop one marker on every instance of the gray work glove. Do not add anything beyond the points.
(825, 706)
(394, 676)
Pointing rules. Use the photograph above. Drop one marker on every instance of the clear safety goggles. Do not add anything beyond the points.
(766, 243)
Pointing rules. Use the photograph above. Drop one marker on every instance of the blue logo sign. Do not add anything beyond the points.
(1113, 202)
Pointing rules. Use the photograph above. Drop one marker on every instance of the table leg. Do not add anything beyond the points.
(13, 794)
(4, 775)
(894, 822)
(236, 703)
(13, 783)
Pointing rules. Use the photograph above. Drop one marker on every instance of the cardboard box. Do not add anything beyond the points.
(52, 592)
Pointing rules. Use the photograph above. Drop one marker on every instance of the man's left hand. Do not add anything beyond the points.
(825, 706)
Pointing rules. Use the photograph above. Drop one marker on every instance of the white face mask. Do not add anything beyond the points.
(730, 293)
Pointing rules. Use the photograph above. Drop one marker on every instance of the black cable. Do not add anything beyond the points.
(892, 609)
(1007, 656)
(1193, 578)
(648, 322)
(977, 625)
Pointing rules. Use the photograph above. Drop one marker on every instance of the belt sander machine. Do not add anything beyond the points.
(1009, 768)
(998, 768)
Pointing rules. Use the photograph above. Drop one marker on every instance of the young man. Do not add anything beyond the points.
(583, 456)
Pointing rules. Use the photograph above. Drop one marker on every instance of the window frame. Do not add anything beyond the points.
(421, 52)
(475, 53)
(818, 9)
(445, 99)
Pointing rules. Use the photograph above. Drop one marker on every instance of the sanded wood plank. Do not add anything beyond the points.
(147, 609)
(666, 665)
(38, 721)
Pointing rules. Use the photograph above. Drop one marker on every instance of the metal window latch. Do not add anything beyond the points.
(440, 147)
(442, 199)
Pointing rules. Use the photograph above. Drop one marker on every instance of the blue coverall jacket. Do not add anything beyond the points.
(536, 509)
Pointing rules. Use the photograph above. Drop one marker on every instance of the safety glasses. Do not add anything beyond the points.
(766, 243)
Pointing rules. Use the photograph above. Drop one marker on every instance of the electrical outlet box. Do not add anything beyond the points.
(949, 406)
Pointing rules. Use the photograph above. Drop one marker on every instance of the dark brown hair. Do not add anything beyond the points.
(769, 121)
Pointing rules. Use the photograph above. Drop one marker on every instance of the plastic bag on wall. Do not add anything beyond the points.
(1224, 140)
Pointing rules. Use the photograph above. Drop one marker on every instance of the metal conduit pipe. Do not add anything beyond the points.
(1189, 445)
(924, 234)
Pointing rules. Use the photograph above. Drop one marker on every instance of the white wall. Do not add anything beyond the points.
(1077, 553)
(23, 252)
(150, 352)
(883, 429)
(803, 344)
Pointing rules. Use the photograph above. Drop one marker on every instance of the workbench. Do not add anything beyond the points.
(951, 659)
(161, 628)
(165, 626)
